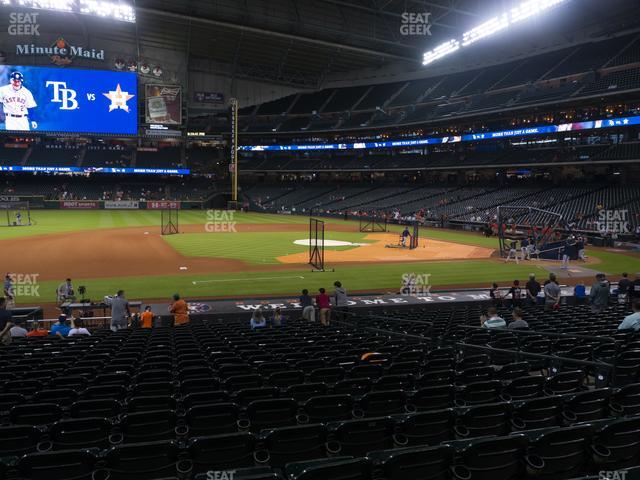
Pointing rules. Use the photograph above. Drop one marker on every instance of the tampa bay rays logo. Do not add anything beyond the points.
(63, 95)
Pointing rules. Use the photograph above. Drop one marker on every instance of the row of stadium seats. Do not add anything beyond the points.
(472, 89)
(186, 401)
(580, 205)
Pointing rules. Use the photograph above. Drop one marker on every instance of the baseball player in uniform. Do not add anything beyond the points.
(16, 101)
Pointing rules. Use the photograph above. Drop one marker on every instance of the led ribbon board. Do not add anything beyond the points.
(470, 137)
(47, 169)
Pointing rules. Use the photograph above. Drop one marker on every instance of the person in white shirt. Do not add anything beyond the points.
(630, 321)
(77, 328)
(16, 101)
(17, 330)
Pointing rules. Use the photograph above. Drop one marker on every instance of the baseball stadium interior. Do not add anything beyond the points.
(320, 239)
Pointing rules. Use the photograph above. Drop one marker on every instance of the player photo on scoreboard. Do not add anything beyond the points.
(38, 99)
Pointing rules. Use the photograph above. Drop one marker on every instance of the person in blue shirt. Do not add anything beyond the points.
(60, 328)
(257, 320)
(405, 236)
(632, 321)
(580, 293)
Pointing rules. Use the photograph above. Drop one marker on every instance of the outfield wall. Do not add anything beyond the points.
(39, 202)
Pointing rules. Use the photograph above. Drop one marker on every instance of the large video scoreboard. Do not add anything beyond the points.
(39, 99)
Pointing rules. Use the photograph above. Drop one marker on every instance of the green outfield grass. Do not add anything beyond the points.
(260, 248)
(242, 246)
(381, 278)
(58, 221)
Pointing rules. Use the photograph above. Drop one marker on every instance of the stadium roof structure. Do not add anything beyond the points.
(302, 43)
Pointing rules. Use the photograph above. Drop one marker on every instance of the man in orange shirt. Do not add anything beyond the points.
(180, 310)
(37, 331)
(146, 318)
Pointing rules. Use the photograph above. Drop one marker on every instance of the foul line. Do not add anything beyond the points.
(195, 282)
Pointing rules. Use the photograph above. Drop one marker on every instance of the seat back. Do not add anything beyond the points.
(76, 464)
(501, 457)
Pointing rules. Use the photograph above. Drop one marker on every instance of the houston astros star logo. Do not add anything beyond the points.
(118, 99)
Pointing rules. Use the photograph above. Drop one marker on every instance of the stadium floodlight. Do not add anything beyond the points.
(530, 8)
(440, 51)
(484, 30)
(58, 5)
(113, 10)
(117, 11)
(501, 22)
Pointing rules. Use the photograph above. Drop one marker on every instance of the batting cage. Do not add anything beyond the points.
(169, 221)
(15, 214)
(539, 229)
(372, 222)
(316, 245)
(410, 241)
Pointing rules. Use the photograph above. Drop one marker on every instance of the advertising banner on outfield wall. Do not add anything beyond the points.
(121, 204)
(162, 205)
(79, 204)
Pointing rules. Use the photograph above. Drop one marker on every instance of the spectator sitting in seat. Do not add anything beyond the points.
(37, 330)
(257, 319)
(632, 321)
(492, 320)
(77, 328)
(277, 320)
(17, 330)
(518, 321)
(60, 328)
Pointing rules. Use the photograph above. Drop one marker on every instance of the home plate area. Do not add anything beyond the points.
(376, 252)
(329, 243)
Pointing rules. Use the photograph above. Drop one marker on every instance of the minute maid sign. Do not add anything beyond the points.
(61, 52)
